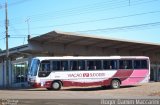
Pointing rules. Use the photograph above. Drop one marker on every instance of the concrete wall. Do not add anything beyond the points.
(1, 74)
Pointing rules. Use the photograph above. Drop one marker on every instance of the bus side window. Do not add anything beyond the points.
(74, 65)
(90, 65)
(114, 64)
(56, 65)
(109, 64)
(94, 64)
(64, 65)
(137, 64)
(81, 65)
(105, 64)
(125, 64)
(98, 65)
(45, 65)
(140, 64)
(144, 64)
(121, 64)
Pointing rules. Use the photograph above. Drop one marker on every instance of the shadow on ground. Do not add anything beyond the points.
(95, 88)
(67, 89)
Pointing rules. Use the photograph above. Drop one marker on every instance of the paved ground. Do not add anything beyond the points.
(145, 91)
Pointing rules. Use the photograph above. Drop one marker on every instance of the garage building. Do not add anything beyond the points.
(72, 44)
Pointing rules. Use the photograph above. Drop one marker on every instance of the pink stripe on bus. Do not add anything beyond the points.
(136, 77)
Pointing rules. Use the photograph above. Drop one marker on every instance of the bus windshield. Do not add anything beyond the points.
(34, 67)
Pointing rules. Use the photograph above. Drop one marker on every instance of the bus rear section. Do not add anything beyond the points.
(54, 72)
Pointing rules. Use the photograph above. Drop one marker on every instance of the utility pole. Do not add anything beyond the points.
(7, 51)
(28, 28)
(129, 2)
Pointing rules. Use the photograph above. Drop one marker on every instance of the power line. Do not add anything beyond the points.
(135, 2)
(140, 26)
(67, 10)
(18, 2)
(70, 11)
(103, 19)
(14, 29)
(114, 29)
(90, 9)
(14, 3)
(2, 32)
(16, 37)
(2, 38)
(85, 7)
(19, 38)
(23, 35)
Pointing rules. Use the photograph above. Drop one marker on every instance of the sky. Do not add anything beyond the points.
(137, 20)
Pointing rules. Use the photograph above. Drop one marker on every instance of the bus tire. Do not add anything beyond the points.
(115, 84)
(56, 85)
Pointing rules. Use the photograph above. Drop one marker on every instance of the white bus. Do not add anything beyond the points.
(115, 71)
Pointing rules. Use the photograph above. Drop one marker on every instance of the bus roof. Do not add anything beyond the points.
(91, 57)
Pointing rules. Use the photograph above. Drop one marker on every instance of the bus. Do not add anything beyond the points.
(53, 73)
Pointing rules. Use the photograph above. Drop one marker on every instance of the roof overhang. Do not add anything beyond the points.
(15, 52)
(68, 38)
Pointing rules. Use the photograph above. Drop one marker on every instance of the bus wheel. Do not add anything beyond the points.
(115, 84)
(56, 85)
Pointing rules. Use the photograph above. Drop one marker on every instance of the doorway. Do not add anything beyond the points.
(155, 72)
(20, 71)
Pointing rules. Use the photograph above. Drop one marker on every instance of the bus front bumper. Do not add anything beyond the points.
(46, 84)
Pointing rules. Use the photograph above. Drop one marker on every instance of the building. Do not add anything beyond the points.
(71, 44)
